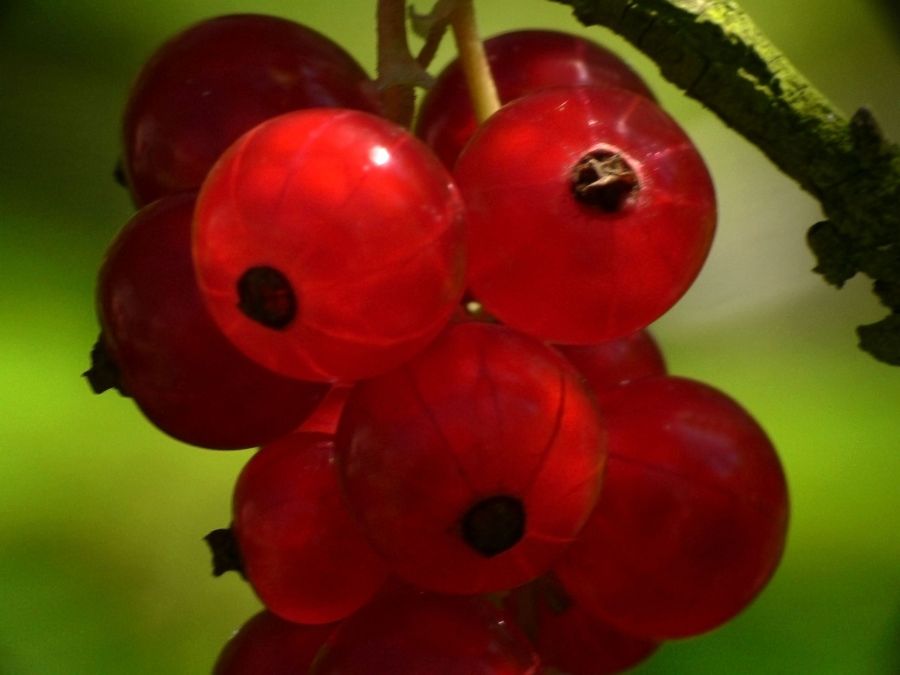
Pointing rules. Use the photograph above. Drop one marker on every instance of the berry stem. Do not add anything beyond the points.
(474, 61)
(398, 70)
(431, 27)
(714, 51)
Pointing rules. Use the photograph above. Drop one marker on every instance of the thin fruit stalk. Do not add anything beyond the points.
(482, 90)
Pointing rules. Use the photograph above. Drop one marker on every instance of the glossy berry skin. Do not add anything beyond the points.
(301, 549)
(693, 516)
(474, 465)
(522, 62)
(424, 634)
(569, 639)
(270, 645)
(172, 360)
(218, 79)
(581, 270)
(325, 418)
(361, 224)
(606, 365)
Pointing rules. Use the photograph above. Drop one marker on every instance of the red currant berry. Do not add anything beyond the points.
(606, 365)
(594, 235)
(330, 245)
(692, 520)
(474, 465)
(219, 78)
(569, 639)
(522, 62)
(422, 634)
(167, 353)
(268, 645)
(301, 549)
(325, 418)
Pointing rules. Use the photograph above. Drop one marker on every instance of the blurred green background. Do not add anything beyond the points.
(102, 567)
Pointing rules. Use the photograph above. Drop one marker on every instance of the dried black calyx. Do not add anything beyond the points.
(604, 180)
(104, 372)
(266, 296)
(494, 524)
(226, 556)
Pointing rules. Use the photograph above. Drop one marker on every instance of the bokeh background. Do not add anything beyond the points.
(102, 567)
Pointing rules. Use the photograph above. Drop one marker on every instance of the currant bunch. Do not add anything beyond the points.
(472, 458)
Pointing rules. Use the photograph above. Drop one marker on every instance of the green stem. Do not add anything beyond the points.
(474, 63)
(397, 68)
(431, 27)
(715, 53)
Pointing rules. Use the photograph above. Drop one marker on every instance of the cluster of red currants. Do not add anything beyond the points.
(472, 457)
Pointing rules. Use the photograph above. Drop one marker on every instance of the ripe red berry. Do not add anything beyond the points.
(218, 79)
(569, 639)
(590, 236)
(325, 418)
(423, 634)
(269, 645)
(521, 62)
(606, 365)
(170, 357)
(475, 464)
(692, 519)
(330, 245)
(301, 549)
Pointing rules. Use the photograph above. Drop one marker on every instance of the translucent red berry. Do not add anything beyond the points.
(269, 645)
(218, 79)
(168, 355)
(325, 418)
(521, 62)
(474, 465)
(300, 548)
(606, 365)
(569, 639)
(692, 519)
(330, 244)
(423, 634)
(594, 234)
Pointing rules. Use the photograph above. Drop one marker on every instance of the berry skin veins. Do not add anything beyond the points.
(473, 465)
(301, 549)
(170, 357)
(583, 268)
(329, 245)
(693, 516)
